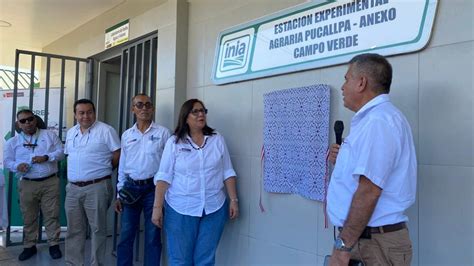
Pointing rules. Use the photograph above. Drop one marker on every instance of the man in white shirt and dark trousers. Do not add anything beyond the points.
(374, 180)
(93, 150)
(33, 155)
(142, 147)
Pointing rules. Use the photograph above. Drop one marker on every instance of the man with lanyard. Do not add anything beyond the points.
(142, 147)
(33, 155)
(93, 150)
(374, 180)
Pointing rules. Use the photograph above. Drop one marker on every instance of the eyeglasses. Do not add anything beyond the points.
(29, 119)
(197, 111)
(140, 105)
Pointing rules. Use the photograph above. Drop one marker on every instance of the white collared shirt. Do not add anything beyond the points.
(48, 143)
(380, 147)
(141, 152)
(90, 153)
(196, 175)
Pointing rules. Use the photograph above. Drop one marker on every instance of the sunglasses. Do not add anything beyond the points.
(140, 105)
(30, 145)
(29, 119)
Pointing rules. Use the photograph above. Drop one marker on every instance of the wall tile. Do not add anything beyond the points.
(265, 253)
(242, 165)
(413, 226)
(230, 113)
(166, 62)
(233, 249)
(196, 52)
(404, 90)
(289, 219)
(446, 215)
(453, 23)
(446, 105)
(164, 113)
(195, 92)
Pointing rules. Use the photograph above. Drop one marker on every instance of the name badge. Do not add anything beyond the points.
(185, 150)
(153, 138)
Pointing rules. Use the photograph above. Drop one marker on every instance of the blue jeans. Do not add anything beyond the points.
(130, 224)
(193, 240)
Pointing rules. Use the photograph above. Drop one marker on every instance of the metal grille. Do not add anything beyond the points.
(25, 81)
(138, 75)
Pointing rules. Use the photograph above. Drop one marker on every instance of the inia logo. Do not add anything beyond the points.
(235, 53)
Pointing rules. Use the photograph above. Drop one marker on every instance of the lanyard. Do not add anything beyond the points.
(29, 143)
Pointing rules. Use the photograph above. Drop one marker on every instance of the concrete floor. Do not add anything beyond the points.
(9, 255)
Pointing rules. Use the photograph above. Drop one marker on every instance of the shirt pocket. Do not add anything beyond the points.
(69, 146)
(152, 146)
(214, 167)
(186, 161)
(129, 145)
(343, 161)
(96, 148)
(213, 161)
(42, 147)
(186, 174)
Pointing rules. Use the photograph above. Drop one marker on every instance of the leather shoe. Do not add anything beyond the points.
(55, 252)
(27, 253)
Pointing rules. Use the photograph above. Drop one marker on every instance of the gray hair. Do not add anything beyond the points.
(377, 68)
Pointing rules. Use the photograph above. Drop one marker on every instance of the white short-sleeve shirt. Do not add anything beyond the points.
(140, 155)
(379, 147)
(196, 175)
(90, 152)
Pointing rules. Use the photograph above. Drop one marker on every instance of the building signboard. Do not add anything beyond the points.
(318, 35)
(117, 34)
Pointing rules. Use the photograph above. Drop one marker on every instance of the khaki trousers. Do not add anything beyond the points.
(33, 196)
(392, 248)
(87, 206)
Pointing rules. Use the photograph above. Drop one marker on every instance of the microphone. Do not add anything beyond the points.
(338, 129)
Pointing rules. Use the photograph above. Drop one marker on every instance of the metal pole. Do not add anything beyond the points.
(46, 100)
(12, 133)
(32, 80)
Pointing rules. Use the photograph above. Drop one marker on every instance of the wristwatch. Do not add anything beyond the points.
(341, 246)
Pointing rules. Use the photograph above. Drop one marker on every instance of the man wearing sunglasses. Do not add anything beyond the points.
(93, 150)
(142, 147)
(32, 155)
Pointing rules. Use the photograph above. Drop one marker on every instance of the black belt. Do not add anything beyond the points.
(90, 182)
(38, 179)
(141, 182)
(387, 228)
(382, 229)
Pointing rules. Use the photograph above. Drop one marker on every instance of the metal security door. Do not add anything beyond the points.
(66, 76)
(137, 75)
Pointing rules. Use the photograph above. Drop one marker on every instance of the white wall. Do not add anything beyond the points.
(433, 87)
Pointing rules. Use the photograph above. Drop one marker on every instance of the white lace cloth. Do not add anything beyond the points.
(296, 139)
